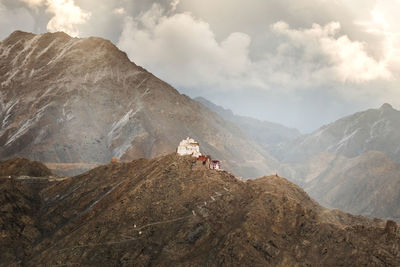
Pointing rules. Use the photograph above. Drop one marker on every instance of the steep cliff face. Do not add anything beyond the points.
(70, 100)
(172, 211)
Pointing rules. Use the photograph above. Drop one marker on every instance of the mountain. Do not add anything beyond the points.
(351, 164)
(266, 134)
(171, 210)
(373, 129)
(368, 184)
(82, 101)
(336, 165)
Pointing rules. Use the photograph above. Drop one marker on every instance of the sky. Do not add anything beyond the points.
(301, 63)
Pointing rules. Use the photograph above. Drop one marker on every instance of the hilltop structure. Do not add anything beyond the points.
(189, 147)
(215, 165)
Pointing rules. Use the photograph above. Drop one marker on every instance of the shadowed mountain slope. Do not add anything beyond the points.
(172, 211)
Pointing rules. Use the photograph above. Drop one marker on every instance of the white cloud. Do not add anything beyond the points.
(184, 50)
(119, 11)
(342, 59)
(33, 3)
(67, 15)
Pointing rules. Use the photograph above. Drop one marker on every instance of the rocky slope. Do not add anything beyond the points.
(266, 134)
(172, 211)
(21, 181)
(373, 129)
(71, 100)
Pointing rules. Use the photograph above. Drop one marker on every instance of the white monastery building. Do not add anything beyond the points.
(189, 147)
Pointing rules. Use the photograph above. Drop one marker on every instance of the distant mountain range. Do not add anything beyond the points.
(266, 134)
(172, 211)
(351, 164)
(71, 100)
(373, 129)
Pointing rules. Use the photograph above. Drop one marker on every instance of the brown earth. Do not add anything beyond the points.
(172, 211)
(21, 167)
(70, 169)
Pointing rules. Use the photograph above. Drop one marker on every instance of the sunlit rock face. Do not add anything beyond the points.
(70, 100)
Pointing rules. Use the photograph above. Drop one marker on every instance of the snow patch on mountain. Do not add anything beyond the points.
(27, 125)
(44, 51)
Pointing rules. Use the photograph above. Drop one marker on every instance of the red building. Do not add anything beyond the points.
(204, 159)
(215, 165)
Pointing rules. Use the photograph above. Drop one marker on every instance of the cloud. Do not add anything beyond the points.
(182, 49)
(328, 56)
(174, 4)
(34, 3)
(66, 15)
(119, 11)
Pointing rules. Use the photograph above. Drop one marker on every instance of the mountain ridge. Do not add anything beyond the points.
(171, 210)
(350, 136)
